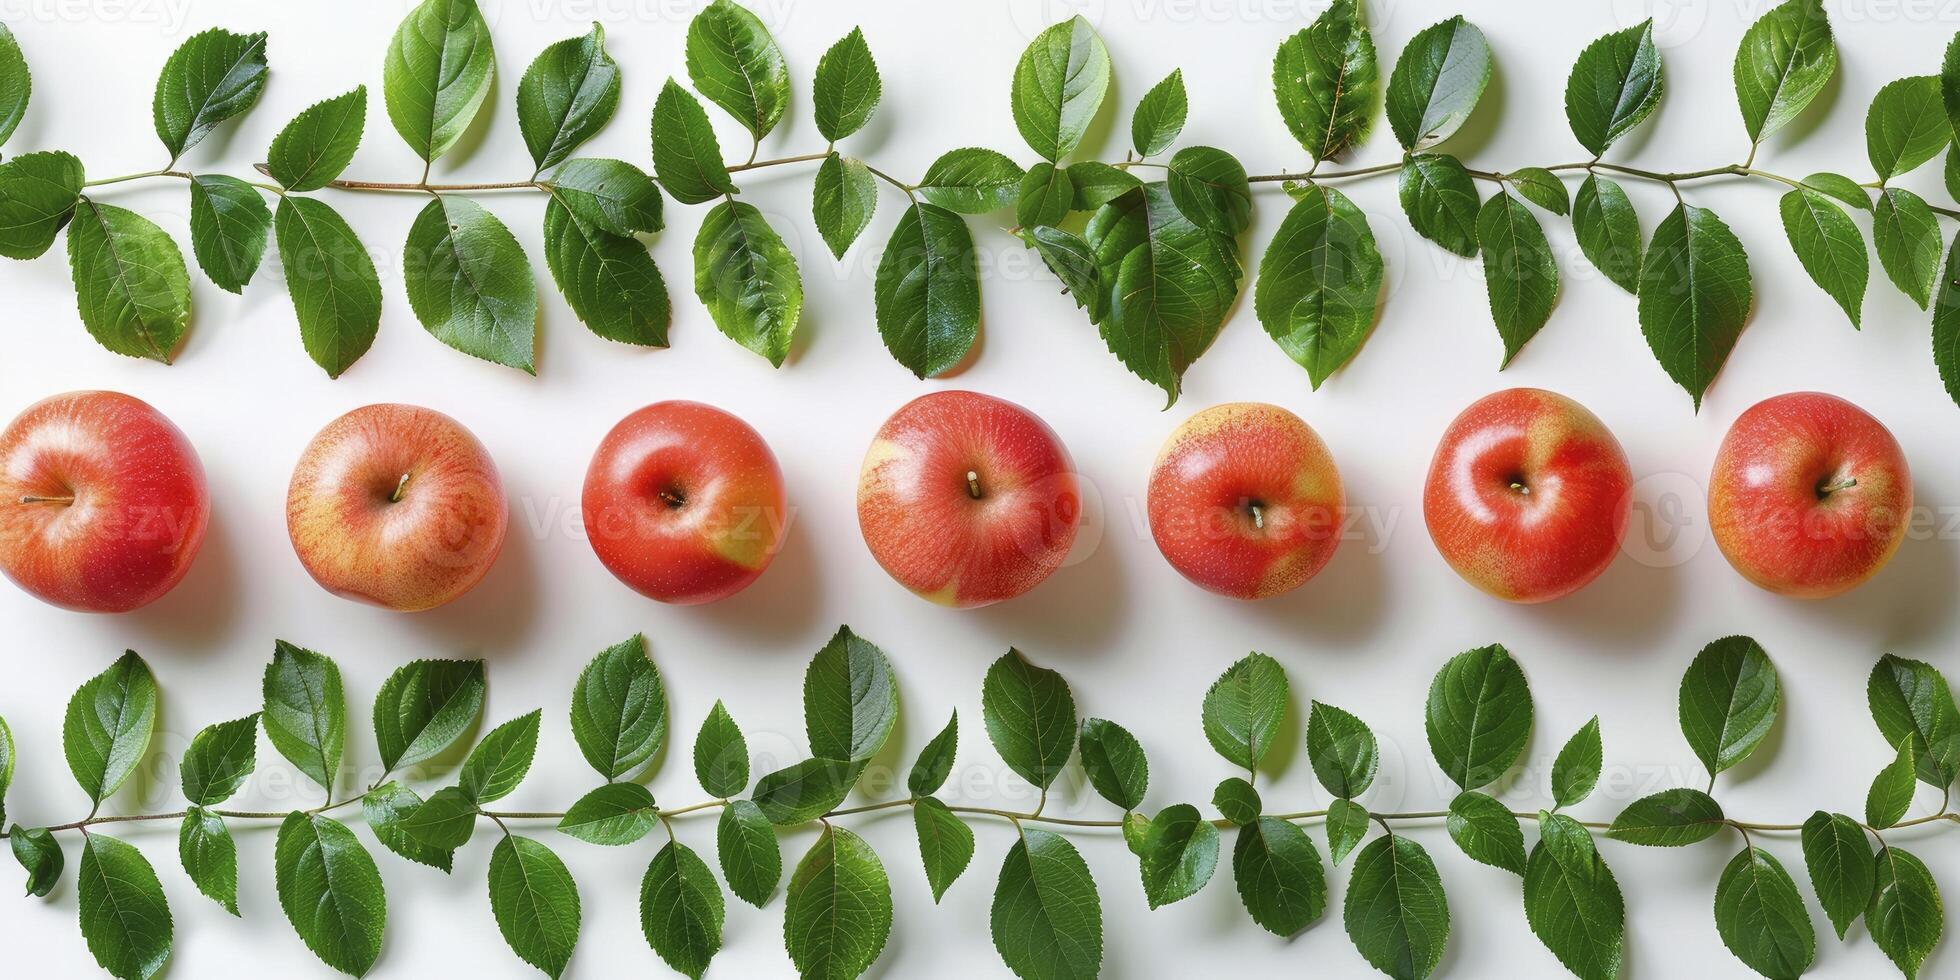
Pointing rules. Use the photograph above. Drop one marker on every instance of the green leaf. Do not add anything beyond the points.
(1441, 201)
(1784, 61)
(130, 283)
(1236, 800)
(1319, 282)
(609, 280)
(1906, 126)
(535, 902)
(1347, 825)
(1486, 831)
(1047, 918)
(945, 844)
(125, 918)
(1180, 852)
(386, 808)
(210, 78)
(469, 283)
(108, 725)
(229, 226)
(1541, 187)
(1729, 701)
(972, 180)
(1572, 902)
(847, 87)
(1279, 875)
(424, 708)
(7, 766)
(1608, 230)
(1030, 717)
(805, 791)
(1842, 869)
(611, 195)
(316, 147)
(442, 823)
(1437, 82)
(209, 856)
(850, 699)
(336, 293)
(838, 911)
(1243, 709)
(1907, 236)
(218, 760)
(1615, 84)
(612, 815)
(438, 70)
(1209, 186)
(1097, 184)
(619, 710)
(748, 280)
(1946, 326)
(1905, 917)
(1519, 271)
(567, 95)
(38, 194)
(1342, 751)
(686, 155)
(1326, 81)
(1840, 187)
(721, 754)
(305, 712)
(1669, 818)
(1058, 86)
(1694, 296)
(40, 854)
(681, 909)
(928, 291)
(1044, 196)
(1159, 116)
(935, 761)
(331, 891)
(1069, 258)
(1115, 763)
(1136, 826)
(1909, 698)
(501, 760)
(735, 63)
(16, 84)
(1395, 909)
(1952, 172)
(1576, 770)
(1830, 247)
(751, 859)
(1761, 917)
(1891, 792)
(1478, 716)
(842, 201)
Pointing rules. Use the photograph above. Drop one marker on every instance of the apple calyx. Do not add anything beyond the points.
(672, 498)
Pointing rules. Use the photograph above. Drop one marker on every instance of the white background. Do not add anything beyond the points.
(1137, 642)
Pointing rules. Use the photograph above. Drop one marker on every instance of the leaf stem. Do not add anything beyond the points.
(754, 164)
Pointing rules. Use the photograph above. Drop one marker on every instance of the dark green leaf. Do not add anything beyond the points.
(847, 88)
(1952, 170)
(1694, 296)
(1437, 82)
(319, 143)
(1058, 86)
(1030, 717)
(502, 759)
(1905, 917)
(218, 760)
(1576, 770)
(1784, 61)
(336, 293)
(1519, 272)
(1541, 187)
(1236, 800)
(130, 283)
(610, 195)
(1097, 184)
(935, 761)
(1669, 818)
(1047, 918)
(469, 283)
(1044, 197)
(38, 193)
(567, 95)
(681, 909)
(1616, 83)
(928, 291)
(229, 226)
(609, 280)
(424, 707)
(1180, 852)
(945, 844)
(40, 854)
(1608, 230)
(1572, 902)
(1279, 875)
(1115, 763)
(972, 180)
(1395, 910)
(108, 724)
(1729, 700)
(1761, 917)
(850, 699)
(721, 754)
(1243, 709)
(806, 790)
(438, 70)
(1479, 716)
(748, 280)
(1342, 751)
(210, 78)
(210, 857)
(619, 710)
(1486, 830)
(16, 84)
(1842, 870)
(125, 918)
(442, 823)
(305, 712)
(1319, 282)
(1441, 201)
(1209, 186)
(1159, 116)
(1347, 824)
(535, 902)
(331, 892)
(838, 911)
(735, 63)
(686, 155)
(385, 808)
(1909, 698)
(1830, 247)
(1946, 325)
(1907, 236)
(843, 199)
(1069, 258)
(751, 859)
(1906, 126)
(1327, 81)
(613, 815)
(1891, 792)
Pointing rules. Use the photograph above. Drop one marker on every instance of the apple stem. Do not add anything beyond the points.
(396, 497)
(1258, 516)
(1520, 488)
(47, 500)
(973, 484)
(1836, 485)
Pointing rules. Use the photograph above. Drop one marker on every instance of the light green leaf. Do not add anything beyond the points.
(1572, 902)
(847, 87)
(331, 891)
(1030, 717)
(1047, 919)
(945, 844)
(838, 911)
(1097, 184)
(567, 95)
(1909, 698)
(209, 856)
(1209, 186)
(609, 280)
(425, 707)
(748, 280)
(928, 291)
(972, 180)
(1342, 751)
(1576, 770)
(336, 293)
(442, 823)
(1907, 236)
(1669, 818)
(1243, 709)
(7, 760)
(613, 815)
(1347, 825)
(1437, 82)
(1784, 61)
(619, 710)
(16, 84)
(1840, 187)
(40, 855)
(469, 283)
(1906, 126)
(1616, 83)
(1441, 201)
(805, 791)
(1694, 296)
(751, 859)
(229, 226)
(130, 283)
(501, 760)
(1486, 831)
(1180, 852)
(1395, 909)
(1279, 875)
(1761, 917)
(1044, 197)
(1327, 81)
(1729, 701)
(1891, 793)
(386, 808)
(681, 909)
(535, 902)
(611, 195)
(935, 761)
(38, 194)
(1236, 800)
(721, 754)
(842, 201)
(850, 699)
(316, 147)
(1159, 116)
(1319, 282)
(1905, 917)
(1830, 247)
(1519, 272)
(125, 918)
(108, 725)
(438, 70)
(1115, 763)
(1135, 827)
(218, 760)
(735, 63)
(1478, 716)
(1842, 869)
(305, 712)
(210, 78)
(1058, 86)
(1608, 230)
(1541, 187)
(686, 155)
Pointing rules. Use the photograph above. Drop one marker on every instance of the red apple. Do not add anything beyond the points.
(967, 499)
(684, 502)
(398, 506)
(1245, 500)
(102, 502)
(1810, 495)
(1527, 495)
